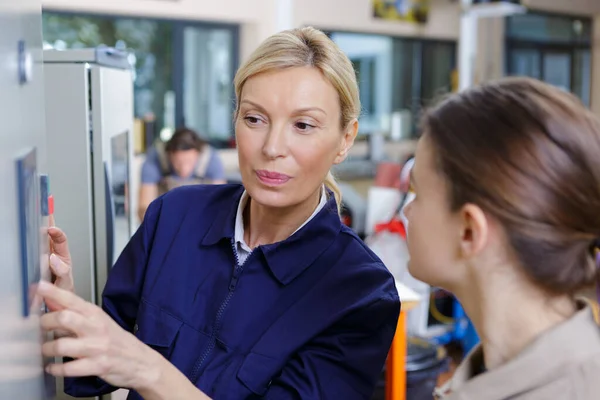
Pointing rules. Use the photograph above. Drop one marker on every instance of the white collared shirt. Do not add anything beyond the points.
(242, 249)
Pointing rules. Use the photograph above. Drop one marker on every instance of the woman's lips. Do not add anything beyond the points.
(271, 178)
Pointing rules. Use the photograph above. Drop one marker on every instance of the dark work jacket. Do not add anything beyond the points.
(311, 317)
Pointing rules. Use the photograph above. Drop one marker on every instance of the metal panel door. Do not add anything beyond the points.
(112, 127)
(69, 163)
(22, 130)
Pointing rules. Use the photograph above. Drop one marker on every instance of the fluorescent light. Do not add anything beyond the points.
(493, 10)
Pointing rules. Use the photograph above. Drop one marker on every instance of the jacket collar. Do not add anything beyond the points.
(289, 258)
(239, 216)
(567, 344)
(223, 225)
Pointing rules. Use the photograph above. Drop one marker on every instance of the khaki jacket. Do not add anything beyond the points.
(563, 364)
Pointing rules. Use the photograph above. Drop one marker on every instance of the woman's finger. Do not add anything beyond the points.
(58, 266)
(66, 320)
(57, 235)
(60, 333)
(75, 368)
(64, 299)
(50, 225)
(60, 244)
(74, 347)
(53, 306)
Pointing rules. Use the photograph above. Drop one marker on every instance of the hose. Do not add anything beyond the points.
(436, 314)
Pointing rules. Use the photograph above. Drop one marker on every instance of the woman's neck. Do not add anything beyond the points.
(509, 313)
(266, 225)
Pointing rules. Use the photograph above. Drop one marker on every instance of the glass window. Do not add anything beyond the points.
(422, 73)
(407, 75)
(397, 75)
(526, 62)
(582, 75)
(371, 56)
(557, 69)
(439, 61)
(552, 48)
(549, 28)
(207, 64)
(173, 85)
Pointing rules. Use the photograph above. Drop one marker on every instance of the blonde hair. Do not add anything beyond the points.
(300, 48)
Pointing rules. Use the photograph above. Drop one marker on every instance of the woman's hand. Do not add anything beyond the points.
(99, 345)
(60, 259)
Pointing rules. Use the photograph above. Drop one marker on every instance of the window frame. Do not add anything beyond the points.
(512, 44)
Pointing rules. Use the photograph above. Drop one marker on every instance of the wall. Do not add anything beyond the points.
(490, 49)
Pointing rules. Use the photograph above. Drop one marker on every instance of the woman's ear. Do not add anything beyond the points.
(475, 231)
(347, 141)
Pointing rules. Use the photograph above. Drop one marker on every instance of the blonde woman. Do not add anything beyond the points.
(253, 291)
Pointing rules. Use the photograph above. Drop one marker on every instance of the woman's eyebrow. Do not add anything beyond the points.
(253, 104)
(298, 111)
(308, 109)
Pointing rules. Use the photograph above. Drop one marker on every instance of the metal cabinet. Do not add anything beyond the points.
(22, 238)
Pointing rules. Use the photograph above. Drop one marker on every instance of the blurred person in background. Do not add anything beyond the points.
(245, 291)
(506, 216)
(186, 159)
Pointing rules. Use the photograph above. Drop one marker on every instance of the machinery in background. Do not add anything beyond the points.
(353, 209)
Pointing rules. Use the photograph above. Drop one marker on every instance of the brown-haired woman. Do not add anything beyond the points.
(507, 183)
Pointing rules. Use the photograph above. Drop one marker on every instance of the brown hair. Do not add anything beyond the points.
(529, 155)
(184, 139)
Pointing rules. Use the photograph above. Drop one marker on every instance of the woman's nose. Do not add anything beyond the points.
(275, 145)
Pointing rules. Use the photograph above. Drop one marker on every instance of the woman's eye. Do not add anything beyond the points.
(252, 120)
(303, 126)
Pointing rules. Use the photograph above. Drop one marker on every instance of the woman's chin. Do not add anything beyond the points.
(417, 272)
(411, 268)
(269, 197)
